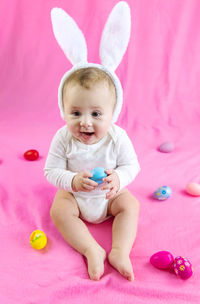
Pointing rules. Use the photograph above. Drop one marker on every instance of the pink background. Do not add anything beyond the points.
(160, 74)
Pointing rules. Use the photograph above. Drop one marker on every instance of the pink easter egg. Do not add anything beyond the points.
(182, 267)
(193, 189)
(166, 147)
(162, 260)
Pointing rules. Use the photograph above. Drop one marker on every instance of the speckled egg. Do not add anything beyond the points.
(182, 267)
(166, 147)
(162, 260)
(162, 193)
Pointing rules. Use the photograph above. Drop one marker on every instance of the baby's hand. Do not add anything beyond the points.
(113, 183)
(81, 182)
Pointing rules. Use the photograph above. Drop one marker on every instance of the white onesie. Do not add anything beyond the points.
(68, 156)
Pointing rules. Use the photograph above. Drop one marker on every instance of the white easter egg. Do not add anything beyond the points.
(166, 147)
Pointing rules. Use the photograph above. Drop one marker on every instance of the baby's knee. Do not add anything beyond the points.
(136, 206)
(135, 203)
(132, 205)
(124, 202)
(55, 212)
(62, 208)
(59, 214)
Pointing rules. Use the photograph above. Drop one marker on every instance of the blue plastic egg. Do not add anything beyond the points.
(98, 174)
(162, 193)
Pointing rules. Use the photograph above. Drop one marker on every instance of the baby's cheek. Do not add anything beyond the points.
(73, 128)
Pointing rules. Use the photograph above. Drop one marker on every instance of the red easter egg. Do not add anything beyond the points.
(162, 260)
(31, 154)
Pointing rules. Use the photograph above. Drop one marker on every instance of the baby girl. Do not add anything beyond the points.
(88, 140)
(90, 99)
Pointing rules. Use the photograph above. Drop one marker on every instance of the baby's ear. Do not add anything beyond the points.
(69, 36)
(115, 36)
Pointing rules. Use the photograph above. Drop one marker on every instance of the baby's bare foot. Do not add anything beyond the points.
(122, 263)
(95, 258)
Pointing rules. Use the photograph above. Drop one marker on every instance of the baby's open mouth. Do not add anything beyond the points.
(87, 133)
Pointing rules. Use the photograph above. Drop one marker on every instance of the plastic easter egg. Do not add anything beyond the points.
(166, 147)
(162, 260)
(38, 239)
(98, 174)
(183, 268)
(193, 189)
(163, 193)
(31, 155)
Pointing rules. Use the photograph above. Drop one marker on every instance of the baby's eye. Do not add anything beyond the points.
(76, 113)
(96, 114)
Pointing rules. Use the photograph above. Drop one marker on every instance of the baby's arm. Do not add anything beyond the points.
(127, 162)
(55, 169)
(127, 167)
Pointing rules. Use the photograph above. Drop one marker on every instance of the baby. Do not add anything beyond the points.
(88, 140)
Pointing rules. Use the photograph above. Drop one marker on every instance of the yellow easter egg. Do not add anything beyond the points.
(38, 239)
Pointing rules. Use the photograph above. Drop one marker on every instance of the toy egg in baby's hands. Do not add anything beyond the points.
(182, 267)
(162, 193)
(98, 174)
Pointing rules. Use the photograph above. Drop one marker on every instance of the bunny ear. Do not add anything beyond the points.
(69, 36)
(115, 36)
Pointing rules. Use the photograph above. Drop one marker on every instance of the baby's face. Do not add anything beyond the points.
(88, 112)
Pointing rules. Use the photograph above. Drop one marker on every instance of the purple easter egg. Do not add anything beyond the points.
(162, 260)
(182, 267)
(166, 147)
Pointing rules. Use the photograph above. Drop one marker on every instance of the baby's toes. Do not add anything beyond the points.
(128, 275)
(95, 274)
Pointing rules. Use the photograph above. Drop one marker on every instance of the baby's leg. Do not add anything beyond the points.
(65, 215)
(125, 208)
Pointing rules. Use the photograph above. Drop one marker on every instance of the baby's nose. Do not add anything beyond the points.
(86, 121)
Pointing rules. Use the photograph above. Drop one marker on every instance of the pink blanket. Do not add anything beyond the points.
(160, 74)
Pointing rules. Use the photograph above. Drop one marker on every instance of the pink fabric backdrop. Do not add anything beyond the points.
(160, 74)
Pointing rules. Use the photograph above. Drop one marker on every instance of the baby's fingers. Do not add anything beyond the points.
(89, 184)
(112, 193)
(107, 179)
(109, 171)
(87, 187)
(87, 174)
(107, 186)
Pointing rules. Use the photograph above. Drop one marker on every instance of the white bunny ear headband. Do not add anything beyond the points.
(114, 41)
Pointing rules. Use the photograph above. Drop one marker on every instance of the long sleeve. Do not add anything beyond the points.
(56, 163)
(127, 163)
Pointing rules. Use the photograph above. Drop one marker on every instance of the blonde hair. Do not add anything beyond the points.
(88, 77)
